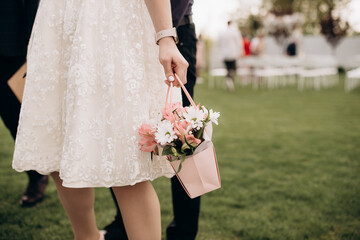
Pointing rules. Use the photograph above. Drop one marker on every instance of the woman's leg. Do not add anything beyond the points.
(79, 207)
(140, 209)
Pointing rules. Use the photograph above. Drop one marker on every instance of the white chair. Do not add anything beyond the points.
(319, 72)
(292, 73)
(283, 70)
(268, 77)
(214, 74)
(352, 80)
(244, 75)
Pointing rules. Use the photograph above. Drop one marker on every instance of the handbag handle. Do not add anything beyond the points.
(169, 92)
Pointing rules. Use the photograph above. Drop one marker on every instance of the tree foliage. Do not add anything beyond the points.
(320, 16)
(313, 10)
(316, 13)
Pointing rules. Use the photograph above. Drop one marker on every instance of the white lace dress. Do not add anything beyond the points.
(93, 79)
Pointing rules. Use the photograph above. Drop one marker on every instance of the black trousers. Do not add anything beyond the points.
(186, 210)
(9, 104)
(230, 67)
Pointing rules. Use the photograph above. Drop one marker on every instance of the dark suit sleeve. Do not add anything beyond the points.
(178, 10)
(31, 7)
(16, 20)
(11, 28)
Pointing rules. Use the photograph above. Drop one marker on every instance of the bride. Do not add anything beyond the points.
(94, 77)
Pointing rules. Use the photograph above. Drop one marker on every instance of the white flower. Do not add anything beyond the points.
(165, 132)
(195, 117)
(214, 116)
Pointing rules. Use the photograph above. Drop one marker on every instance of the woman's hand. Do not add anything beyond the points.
(172, 61)
(169, 55)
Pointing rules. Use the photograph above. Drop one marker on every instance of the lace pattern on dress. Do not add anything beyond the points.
(93, 79)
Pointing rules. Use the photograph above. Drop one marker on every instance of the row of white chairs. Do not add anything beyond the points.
(352, 80)
(306, 72)
(271, 77)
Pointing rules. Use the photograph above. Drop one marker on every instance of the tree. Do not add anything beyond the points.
(319, 16)
(333, 29)
(250, 25)
(314, 12)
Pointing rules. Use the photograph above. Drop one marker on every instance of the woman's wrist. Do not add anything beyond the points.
(170, 32)
(166, 41)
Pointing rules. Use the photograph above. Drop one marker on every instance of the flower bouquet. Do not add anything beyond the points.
(184, 136)
(180, 132)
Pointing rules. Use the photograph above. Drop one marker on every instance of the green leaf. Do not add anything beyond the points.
(184, 147)
(208, 117)
(167, 150)
(200, 133)
(175, 152)
(180, 166)
(187, 142)
(182, 159)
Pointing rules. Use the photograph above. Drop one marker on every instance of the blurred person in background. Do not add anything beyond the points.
(16, 20)
(246, 43)
(257, 45)
(295, 40)
(231, 46)
(186, 210)
(291, 49)
(200, 58)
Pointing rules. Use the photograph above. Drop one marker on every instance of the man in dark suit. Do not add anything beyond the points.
(16, 20)
(186, 210)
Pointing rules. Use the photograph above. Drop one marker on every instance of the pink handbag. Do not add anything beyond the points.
(200, 172)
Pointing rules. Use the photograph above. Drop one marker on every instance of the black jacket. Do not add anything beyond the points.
(16, 20)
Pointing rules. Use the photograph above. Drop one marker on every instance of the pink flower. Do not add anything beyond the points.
(181, 129)
(172, 113)
(147, 141)
(193, 141)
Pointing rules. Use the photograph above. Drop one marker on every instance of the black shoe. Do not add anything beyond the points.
(34, 192)
(174, 232)
(114, 232)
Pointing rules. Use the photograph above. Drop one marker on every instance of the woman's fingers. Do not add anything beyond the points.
(166, 61)
(182, 73)
(172, 61)
(180, 70)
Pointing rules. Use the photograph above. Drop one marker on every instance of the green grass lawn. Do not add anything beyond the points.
(289, 163)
